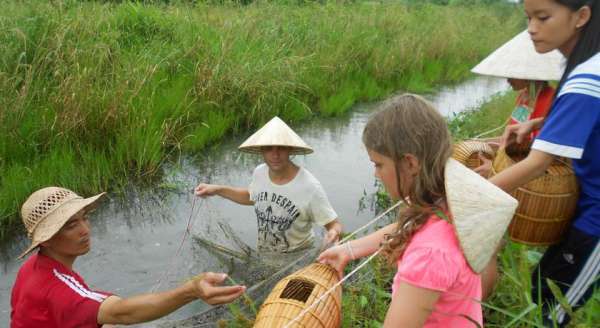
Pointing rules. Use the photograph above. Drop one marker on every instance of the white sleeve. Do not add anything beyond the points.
(321, 210)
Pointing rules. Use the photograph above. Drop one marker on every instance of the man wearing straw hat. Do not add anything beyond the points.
(287, 199)
(527, 72)
(48, 293)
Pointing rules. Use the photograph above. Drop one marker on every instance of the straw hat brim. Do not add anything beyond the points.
(56, 219)
(275, 133)
(518, 59)
(480, 213)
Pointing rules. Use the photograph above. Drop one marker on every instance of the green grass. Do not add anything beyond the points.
(491, 115)
(95, 95)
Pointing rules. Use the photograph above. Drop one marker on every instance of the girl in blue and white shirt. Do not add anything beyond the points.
(572, 130)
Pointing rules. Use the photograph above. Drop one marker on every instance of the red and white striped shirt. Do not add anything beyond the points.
(48, 294)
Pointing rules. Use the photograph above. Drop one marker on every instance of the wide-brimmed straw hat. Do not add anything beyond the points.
(48, 209)
(480, 213)
(518, 59)
(275, 133)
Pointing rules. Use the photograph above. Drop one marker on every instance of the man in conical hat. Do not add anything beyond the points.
(48, 293)
(528, 73)
(287, 199)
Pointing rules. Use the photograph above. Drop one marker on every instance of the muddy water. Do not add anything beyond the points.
(136, 237)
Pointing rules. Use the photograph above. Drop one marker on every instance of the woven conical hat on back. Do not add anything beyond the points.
(480, 213)
(275, 133)
(518, 59)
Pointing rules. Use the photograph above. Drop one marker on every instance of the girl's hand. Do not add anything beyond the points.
(485, 168)
(519, 132)
(337, 257)
(204, 190)
(207, 288)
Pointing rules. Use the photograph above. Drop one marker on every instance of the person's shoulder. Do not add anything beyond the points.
(547, 92)
(35, 265)
(261, 169)
(584, 79)
(305, 174)
(590, 66)
(309, 180)
(436, 233)
(29, 263)
(37, 276)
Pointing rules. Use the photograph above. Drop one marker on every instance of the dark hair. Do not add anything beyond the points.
(589, 39)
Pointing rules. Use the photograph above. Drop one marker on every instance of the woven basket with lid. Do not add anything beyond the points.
(546, 204)
(298, 291)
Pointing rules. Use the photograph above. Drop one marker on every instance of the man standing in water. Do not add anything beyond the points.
(287, 198)
(48, 293)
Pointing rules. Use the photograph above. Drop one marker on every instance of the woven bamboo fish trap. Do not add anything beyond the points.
(297, 292)
(467, 152)
(546, 204)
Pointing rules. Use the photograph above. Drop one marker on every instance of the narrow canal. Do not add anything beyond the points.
(135, 237)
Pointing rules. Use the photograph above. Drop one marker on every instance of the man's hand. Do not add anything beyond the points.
(207, 287)
(331, 237)
(204, 190)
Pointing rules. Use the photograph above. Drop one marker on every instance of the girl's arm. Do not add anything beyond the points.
(533, 166)
(410, 307)
(369, 244)
(339, 255)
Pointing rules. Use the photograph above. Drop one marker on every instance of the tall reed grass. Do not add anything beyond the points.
(96, 94)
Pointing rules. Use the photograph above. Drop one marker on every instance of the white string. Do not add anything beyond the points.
(318, 300)
(489, 131)
(371, 222)
(186, 233)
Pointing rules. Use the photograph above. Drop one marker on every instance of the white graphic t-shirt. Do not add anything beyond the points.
(285, 213)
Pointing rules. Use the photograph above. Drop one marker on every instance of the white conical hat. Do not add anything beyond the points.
(275, 133)
(518, 59)
(480, 213)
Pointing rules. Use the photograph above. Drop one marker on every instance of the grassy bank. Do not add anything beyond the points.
(94, 95)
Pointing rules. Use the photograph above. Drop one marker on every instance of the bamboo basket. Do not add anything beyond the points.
(546, 204)
(298, 291)
(467, 152)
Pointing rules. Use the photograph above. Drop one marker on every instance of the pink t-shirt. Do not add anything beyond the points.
(433, 260)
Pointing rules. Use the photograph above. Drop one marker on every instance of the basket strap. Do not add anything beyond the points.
(441, 215)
